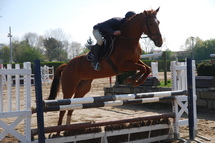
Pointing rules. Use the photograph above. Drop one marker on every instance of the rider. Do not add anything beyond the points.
(110, 27)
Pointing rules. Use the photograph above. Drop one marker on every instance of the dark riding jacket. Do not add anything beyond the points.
(109, 26)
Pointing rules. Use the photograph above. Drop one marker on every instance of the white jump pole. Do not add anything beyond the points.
(151, 55)
(212, 55)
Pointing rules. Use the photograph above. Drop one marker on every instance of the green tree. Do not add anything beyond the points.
(5, 54)
(23, 52)
(88, 46)
(54, 50)
(84, 51)
(75, 49)
(200, 49)
(169, 54)
(203, 49)
(89, 43)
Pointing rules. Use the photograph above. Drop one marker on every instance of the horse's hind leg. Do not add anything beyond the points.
(68, 89)
(82, 89)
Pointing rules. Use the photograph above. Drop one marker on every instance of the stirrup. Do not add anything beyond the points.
(90, 57)
(96, 66)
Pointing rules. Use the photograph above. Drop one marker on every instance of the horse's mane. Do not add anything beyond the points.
(132, 19)
(149, 12)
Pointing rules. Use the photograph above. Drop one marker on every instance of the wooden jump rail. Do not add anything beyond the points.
(101, 123)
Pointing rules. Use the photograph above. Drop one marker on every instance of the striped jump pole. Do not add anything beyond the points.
(113, 98)
(106, 104)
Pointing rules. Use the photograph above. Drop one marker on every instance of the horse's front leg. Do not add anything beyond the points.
(141, 76)
(133, 79)
(145, 75)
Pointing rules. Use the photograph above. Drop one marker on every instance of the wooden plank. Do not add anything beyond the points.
(104, 123)
(113, 133)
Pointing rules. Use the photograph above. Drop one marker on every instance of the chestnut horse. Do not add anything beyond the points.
(77, 75)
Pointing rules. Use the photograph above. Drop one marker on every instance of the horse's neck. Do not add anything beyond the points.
(128, 47)
(134, 28)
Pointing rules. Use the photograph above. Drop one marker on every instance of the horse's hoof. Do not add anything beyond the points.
(134, 84)
(125, 82)
(128, 80)
(54, 135)
(66, 133)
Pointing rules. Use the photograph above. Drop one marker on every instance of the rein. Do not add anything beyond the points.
(150, 33)
(133, 38)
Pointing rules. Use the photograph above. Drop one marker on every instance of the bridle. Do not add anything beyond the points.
(150, 34)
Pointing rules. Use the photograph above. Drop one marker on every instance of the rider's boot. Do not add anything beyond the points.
(95, 63)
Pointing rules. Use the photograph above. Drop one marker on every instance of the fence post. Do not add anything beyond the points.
(9, 90)
(1, 89)
(39, 105)
(165, 68)
(190, 99)
(27, 106)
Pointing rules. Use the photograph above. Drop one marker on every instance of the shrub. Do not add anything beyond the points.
(206, 69)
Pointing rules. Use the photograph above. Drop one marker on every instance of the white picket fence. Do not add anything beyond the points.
(20, 109)
(47, 74)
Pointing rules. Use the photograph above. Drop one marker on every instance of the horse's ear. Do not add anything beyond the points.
(157, 9)
(145, 12)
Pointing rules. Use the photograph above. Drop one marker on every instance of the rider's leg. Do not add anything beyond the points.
(97, 48)
(98, 36)
(95, 63)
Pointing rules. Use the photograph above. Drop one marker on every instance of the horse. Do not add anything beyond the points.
(77, 75)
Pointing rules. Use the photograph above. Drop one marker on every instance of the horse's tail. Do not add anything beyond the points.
(56, 82)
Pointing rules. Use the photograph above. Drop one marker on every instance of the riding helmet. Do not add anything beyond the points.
(129, 14)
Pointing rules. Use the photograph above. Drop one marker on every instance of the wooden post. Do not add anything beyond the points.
(165, 68)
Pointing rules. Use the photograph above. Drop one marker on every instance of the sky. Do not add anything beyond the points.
(179, 19)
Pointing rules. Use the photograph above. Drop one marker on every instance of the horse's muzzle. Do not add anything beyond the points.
(159, 42)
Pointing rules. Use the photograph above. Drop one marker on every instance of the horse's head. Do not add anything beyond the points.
(151, 27)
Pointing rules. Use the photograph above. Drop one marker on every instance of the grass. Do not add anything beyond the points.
(169, 84)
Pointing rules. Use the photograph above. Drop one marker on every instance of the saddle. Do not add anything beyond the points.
(106, 49)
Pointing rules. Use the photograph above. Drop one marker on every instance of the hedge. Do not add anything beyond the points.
(206, 69)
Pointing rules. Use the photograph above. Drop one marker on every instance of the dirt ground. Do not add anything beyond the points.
(206, 118)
